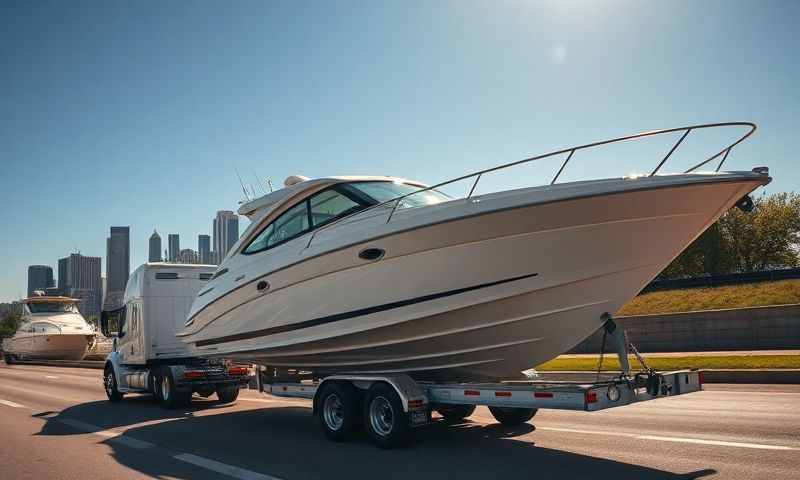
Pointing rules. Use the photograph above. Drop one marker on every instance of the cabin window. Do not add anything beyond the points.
(290, 224)
(330, 205)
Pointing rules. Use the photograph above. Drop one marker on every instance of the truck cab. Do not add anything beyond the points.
(147, 357)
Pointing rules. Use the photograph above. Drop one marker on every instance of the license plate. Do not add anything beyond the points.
(419, 417)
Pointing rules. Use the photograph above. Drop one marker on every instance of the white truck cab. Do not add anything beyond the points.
(147, 356)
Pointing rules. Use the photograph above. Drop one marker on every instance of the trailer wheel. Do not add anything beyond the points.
(110, 384)
(338, 410)
(10, 359)
(228, 393)
(455, 413)
(512, 416)
(168, 393)
(384, 419)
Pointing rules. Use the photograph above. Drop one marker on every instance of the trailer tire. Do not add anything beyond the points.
(385, 421)
(338, 411)
(168, 393)
(110, 385)
(10, 359)
(228, 393)
(455, 413)
(512, 416)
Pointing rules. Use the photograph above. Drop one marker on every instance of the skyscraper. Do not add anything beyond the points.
(204, 249)
(155, 247)
(226, 233)
(118, 264)
(40, 277)
(79, 277)
(174, 242)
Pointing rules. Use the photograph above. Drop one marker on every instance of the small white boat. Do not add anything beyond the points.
(52, 328)
(387, 275)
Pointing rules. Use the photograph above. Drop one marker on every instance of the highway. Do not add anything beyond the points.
(55, 422)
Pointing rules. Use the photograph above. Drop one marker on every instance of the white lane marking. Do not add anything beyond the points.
(10, 404)
(719, 443)
(222, 468)
(50, 376)
(110, 434)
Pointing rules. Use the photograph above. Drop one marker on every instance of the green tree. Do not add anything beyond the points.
(763, 239)
(9, 323)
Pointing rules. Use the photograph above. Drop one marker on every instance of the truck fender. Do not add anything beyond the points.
(113, 361)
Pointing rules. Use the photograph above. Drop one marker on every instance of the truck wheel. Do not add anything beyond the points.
(455, 413)
(512, 416)
(337, 410)
(168, 393)
(110, 384)
(228, 393)
(9, 358)
(384, 419)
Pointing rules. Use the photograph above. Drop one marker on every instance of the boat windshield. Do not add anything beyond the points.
(383, 191)
(52, 307)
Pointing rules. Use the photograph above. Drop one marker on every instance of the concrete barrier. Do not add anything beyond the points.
(755, 328)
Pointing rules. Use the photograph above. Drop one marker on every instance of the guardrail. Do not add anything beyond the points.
(720, 280)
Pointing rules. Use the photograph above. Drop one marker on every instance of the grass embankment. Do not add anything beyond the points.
(735, 296)
(676, 363)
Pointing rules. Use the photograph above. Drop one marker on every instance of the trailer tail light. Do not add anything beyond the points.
(543, 395)
(700, 378)
(502, 394)
(591, 397)
(193, 374)
(472, 393)
(236, 371)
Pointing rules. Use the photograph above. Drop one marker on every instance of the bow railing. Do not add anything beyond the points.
(751, 127)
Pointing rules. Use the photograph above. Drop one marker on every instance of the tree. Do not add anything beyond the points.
(766, 238)
(9, 323)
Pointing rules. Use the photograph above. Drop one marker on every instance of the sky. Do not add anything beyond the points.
(140, 113)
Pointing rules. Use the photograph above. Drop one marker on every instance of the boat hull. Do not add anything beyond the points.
(48, 346)
(485, 295)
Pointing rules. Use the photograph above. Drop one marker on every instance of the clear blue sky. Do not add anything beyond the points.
(136, 113)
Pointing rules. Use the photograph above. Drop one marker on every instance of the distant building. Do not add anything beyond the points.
(187, 255)
(174, 246)
(79, 277)
(118, 264)
(155, 248)
(40, 277)
(204, 249)
(226, 233)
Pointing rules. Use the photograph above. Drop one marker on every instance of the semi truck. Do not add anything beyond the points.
(147, 357)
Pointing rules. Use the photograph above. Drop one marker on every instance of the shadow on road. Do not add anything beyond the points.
(286, 442)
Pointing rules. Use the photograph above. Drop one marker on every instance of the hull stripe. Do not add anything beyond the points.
(355, 313)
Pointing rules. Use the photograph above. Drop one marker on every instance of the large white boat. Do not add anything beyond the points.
(381, 274)
(52, 328)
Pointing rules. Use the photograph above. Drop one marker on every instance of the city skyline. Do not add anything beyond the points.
(129, 135)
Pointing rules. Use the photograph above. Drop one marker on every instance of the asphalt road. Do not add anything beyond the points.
(56, 423)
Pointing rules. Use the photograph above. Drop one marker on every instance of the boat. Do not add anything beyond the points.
(51, 328)
(377, 274)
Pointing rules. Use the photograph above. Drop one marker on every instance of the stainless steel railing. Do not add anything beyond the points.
(571, 152)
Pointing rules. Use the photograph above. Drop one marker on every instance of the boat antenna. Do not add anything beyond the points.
(244, 189)
(258, 182)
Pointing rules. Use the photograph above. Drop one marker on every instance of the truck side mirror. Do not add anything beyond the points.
(111, 322)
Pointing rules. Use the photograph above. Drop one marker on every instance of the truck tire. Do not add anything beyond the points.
(10, 359)
(384, 419)
(337, 410)
(110, 385)
(455, 413)
(511, 416)
(168, 393)
(228, 393)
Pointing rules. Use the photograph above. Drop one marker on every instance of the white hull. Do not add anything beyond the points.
(485, 290)
(48, 346)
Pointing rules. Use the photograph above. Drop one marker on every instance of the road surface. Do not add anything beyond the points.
(55, 422)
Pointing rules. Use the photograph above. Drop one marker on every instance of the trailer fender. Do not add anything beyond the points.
(410, 393)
